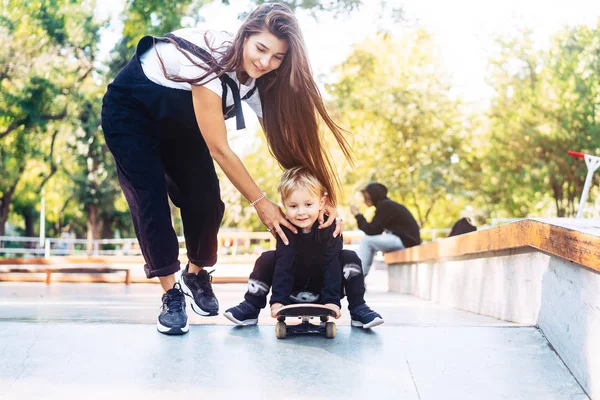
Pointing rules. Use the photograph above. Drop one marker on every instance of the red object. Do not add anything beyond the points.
(576, 154)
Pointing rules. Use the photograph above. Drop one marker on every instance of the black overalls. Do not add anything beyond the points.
(153, 135)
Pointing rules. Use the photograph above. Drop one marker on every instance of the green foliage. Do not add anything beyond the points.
(409, 133)
(48, 50)
(547, 103)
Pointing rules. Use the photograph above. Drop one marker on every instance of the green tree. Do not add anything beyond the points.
(546, 103)
(48, 51)
(409, 133)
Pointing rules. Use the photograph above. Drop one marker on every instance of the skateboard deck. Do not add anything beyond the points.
(305, 312)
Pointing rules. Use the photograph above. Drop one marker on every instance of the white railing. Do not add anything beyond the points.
(230, 243)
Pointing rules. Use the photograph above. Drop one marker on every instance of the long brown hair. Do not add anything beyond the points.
(291, 101)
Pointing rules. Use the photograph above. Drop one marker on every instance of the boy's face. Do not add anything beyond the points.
(302, 208)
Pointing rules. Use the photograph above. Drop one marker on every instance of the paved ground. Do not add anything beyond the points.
(99, 341)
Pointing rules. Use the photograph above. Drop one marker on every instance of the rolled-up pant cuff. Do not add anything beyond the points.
(166, 271)
(203, 263)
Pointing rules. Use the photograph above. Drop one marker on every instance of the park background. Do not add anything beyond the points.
(461, 108)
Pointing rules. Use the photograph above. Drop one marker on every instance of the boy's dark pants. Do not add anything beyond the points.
(261, 279)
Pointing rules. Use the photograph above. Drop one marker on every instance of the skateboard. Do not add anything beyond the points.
(305, 312)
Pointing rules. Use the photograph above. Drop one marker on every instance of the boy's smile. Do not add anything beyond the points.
(302, 208)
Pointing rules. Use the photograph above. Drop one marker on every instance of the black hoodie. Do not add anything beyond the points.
(389, 216)
(310, 262)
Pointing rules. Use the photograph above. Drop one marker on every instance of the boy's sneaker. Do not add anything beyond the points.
(172, 319)
(243, 314)
(363, 316)
(199, 289)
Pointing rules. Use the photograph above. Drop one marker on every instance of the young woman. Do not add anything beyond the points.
(163, 120)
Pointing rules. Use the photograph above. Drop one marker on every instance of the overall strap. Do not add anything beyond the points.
(225, 79)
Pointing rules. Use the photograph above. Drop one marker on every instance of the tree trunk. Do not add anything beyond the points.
(29, 222)
(94, 225)
(558, 198)
(107, 231)
(5, 202)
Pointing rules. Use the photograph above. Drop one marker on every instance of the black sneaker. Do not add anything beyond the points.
(362, 316)
(172, 319)
(243, 314)
(199, 289)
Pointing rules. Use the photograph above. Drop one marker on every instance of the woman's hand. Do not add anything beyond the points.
(273, 218)
(274, 308)
(332, 213)
(335, 308)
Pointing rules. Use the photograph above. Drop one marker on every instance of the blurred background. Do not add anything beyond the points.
(463, 108)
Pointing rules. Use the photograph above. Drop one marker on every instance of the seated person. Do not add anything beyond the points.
(393, 227)
(313, 268)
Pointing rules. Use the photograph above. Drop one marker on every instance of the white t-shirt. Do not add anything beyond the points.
(177, 63)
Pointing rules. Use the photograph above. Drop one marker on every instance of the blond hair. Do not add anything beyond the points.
(299, 178)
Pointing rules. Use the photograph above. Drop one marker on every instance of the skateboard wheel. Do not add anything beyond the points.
(324, 318)
(330, 330)
(280, 330)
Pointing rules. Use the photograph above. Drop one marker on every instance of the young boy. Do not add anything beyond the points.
(312, 268)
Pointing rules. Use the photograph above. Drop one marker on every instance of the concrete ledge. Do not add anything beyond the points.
(503, 285)
(566, 241)
(530, 272)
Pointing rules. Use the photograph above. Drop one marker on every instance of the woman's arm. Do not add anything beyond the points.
(209, 115)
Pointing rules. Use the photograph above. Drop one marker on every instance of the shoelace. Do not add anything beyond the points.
(174, 300)
(205, 283)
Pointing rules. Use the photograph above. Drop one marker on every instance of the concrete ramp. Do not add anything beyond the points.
(98, 341)
(544, 273)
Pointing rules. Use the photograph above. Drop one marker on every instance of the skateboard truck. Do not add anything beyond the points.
(305, 312)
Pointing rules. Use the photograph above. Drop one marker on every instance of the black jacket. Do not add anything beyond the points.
(310, 262)
(389, 216)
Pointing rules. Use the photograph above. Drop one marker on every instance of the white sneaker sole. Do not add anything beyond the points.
(246, 322)
(375, 322)
(188, 293)
(172, 330)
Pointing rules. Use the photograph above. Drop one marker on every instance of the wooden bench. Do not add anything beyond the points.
(573, 240)
(101, 265)
(49, 270)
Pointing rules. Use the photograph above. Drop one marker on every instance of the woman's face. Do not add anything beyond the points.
(263, 53)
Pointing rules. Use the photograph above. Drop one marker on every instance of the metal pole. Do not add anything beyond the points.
(592, 164)
(47, 249)
(43, 219)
